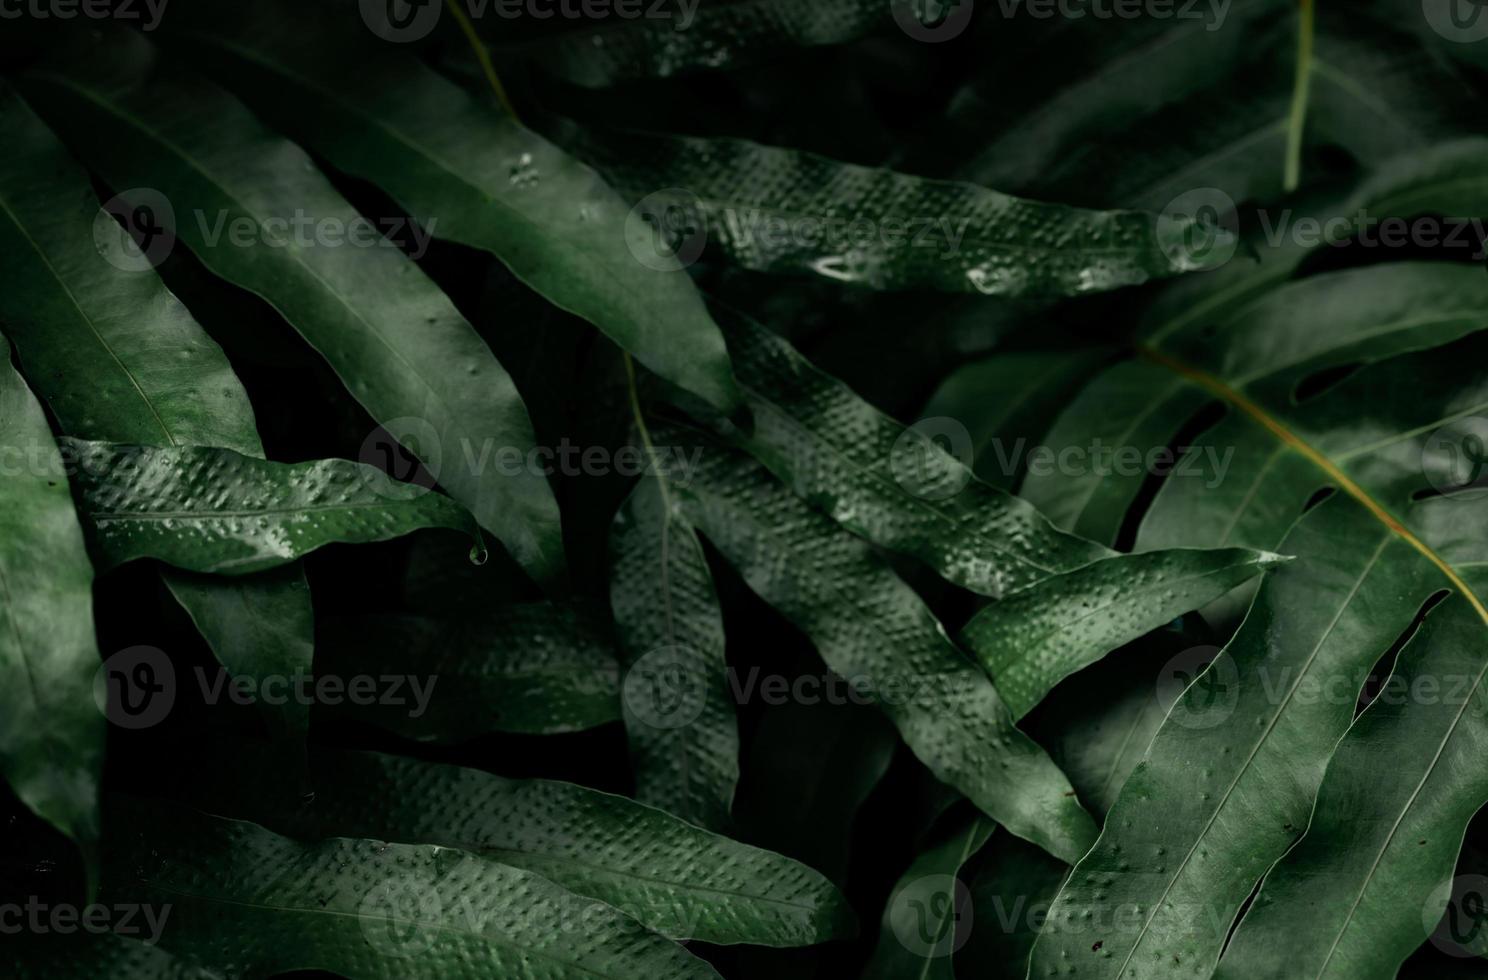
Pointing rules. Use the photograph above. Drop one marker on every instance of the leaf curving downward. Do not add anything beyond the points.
(1228, 782)
(117, 357)
(217, 511)
(470, 174)
(1033, 639)
(243, 199)
(1387, 435)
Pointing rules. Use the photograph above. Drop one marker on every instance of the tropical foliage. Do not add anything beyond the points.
(695, 489)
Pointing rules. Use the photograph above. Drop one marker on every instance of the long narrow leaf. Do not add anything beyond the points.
(51, 732)
(217, 511)
(676, 879)
(679, 716)
(242, 198)
(117, 357)
(467, 173)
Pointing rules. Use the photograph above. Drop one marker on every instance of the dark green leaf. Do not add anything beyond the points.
(51, 742)
(534, 668)
(872, 630)
(217, 511)
(928, 910)
(777, 210)
(467, 173)
(243, 199)
(248, 902)
(676, 879)
(1374, 873)
(679, 715)
(117, 357)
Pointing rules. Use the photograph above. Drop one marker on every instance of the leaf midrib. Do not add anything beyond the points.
(1334, 473)
(926, 962)
(1030, 664)
(1255, 750)
(1395, 828)
(118, 111)
(681, 886)
(83, 315)
(596, 262)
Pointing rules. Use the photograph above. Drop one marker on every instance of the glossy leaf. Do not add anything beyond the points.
(1035, 638)
(1065, 602)
(531, 668)
(1239, 333)
(467, 173)
(679, 715)
(1375, 869)
(1396, 537)
(117, 357)
(217, 511)
(1228, 782)
(52, 735)
(243, 198)
(878, 228)
(364, 909)
(675, 878)
(873, 631)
